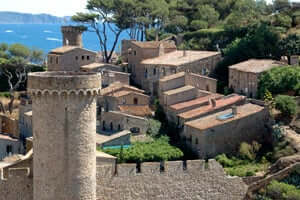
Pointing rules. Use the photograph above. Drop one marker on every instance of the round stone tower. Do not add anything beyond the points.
(72, 35)
(64, 130)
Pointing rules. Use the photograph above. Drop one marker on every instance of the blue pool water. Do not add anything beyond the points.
(46, 36)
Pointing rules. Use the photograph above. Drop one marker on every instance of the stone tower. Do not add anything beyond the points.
(72, 35)
(64, 130)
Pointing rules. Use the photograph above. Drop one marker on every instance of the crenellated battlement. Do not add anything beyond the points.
(162, 168)
(73, 29)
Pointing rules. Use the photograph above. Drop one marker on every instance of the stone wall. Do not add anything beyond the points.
(18, 186)
(9, 126)
(182, 94)
(201, 82)
(109, 77)
(15, 145)
(134, 98)
(120, 121)
(168, 181)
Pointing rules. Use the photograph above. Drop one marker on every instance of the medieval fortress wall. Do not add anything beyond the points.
(172, 180)
(175, 180)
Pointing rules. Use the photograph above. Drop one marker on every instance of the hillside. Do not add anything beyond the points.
(24, 18)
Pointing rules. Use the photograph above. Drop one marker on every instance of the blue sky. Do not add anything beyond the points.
(54, 7)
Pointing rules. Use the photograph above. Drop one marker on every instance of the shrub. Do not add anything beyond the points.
(248, 151)
(282, 191)
(155, 151)
(224, 160)
(154, 128)
(279, 80)
(286, 104)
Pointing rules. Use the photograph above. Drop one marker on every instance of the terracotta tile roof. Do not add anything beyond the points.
(141, 111)
(204, 109)
(173, 76)
(125, 93)
(179, 90)
(177, 58)
(65, 49)
(256, 65)
(194, 102)
(242, 111)
(155, 44)
(119, 86)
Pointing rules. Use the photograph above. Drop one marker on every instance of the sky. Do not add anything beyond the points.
(53, 7)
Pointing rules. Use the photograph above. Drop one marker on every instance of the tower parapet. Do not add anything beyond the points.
(64, 107)
(72, 35)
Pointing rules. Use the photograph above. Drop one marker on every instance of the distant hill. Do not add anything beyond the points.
(24, 18)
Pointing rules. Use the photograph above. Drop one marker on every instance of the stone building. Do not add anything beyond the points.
(64, 134)
(69, 58)
(226, 130)
(124, 98)
(244, 76)
(25, 117)
(9, 146)
(150, 61)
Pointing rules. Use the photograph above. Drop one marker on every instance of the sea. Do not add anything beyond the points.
(48, 36)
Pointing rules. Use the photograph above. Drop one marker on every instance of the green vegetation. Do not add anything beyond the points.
(286, 105)
(253, 158)
(246, 163)
(280, 80)
(281, 191)
(157, 150)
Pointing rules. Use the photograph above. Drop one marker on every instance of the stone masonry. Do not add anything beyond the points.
(64, 107)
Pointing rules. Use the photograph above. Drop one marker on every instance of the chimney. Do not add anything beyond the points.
(234, 110)
(213, 103)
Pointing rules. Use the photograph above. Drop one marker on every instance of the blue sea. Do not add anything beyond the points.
(47, 36)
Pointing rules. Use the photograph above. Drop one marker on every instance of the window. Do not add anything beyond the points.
(76, 57)
(196, 141)
(111, 126)
(9, 149)
(154, 71)
(82, 57)
(134, 53)
(119, 127)
(164, 71)
(56, 60)
(146, 73)
(88, 57)
(191, 138)
(51, 59)
(135, 101)
(207, 87)
(103, 126)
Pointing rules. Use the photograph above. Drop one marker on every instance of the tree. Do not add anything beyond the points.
(14, 65)
(106, 18)
(290, 45)
(286, 104)
(207, 14)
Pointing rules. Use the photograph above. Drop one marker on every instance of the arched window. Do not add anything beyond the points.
(103, 125)
(88, 57)
(111, 126)
(146, 73)
(164, 71)
(135, 101)
(207, 87)
(154, 71)
(119, 127)
(82, 57)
